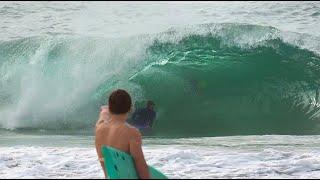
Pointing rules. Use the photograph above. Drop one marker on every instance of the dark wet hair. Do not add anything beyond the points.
(119, 102)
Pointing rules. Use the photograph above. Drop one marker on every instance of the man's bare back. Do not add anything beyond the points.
(112, 130)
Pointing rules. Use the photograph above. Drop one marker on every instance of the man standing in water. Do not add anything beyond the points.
(143, 118)
(113, 131)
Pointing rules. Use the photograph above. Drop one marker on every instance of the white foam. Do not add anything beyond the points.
(261, 157)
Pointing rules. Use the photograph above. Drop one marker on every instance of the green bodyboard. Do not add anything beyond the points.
(120, 165)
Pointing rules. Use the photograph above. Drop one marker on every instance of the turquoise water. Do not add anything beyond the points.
(223, 75)
(228, 79)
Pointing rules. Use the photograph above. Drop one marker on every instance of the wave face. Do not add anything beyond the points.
(206, 80)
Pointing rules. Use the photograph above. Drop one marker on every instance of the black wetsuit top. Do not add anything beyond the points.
(143, 117)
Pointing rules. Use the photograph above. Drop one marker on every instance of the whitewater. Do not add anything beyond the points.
(236, 85)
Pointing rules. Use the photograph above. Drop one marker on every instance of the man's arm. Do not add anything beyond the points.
(98, 143)
(137, 154)
(104, 115)
(135, 117)
(150, 122)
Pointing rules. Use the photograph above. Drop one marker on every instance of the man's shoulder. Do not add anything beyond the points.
(132, 130)
(100, 127)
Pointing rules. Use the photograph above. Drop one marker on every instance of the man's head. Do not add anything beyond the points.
(150, 105)
(119, 102)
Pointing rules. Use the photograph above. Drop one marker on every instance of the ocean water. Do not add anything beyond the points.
(236, 85)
